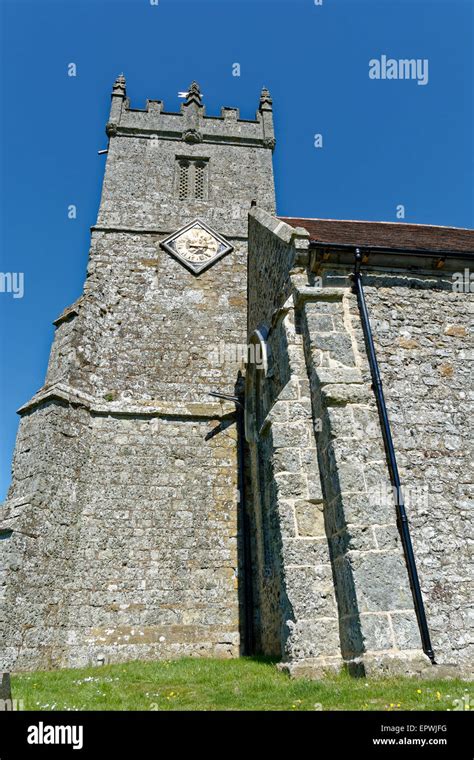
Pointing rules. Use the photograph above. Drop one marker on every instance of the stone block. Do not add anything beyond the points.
(310, 591)
(338, 345)
(376, 632)
(381, 581)
(305, 551)
(406, 631)
(310, 518)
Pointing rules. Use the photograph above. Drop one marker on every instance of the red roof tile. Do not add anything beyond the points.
(390, 235)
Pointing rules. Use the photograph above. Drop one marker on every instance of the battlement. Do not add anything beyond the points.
(190, 124)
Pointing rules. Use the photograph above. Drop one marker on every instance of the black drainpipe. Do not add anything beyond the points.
(246, 563)
(402, 521)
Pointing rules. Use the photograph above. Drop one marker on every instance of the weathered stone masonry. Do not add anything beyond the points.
(336, 587)
(121, 537)
(120, 532)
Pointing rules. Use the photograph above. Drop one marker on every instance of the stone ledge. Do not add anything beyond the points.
(335, 394)
(154, 132)
(69, 312)
(148, 407)
(308, 293)
(150, 231)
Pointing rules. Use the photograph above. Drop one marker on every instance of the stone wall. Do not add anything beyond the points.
(376, 617)
(423, 333)
(37, 556)
(318, 365)
(147, 566)
(146, 328)
(156, 570)
(140, 185)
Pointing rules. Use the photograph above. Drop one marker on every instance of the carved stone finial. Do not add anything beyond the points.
(194, 93)
(119, 87)
(265, 98)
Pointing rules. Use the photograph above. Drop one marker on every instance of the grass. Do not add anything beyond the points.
(249, 683)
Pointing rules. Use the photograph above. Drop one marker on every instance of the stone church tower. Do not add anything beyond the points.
(120, 531)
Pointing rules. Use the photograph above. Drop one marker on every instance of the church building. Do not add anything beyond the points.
(255, 432)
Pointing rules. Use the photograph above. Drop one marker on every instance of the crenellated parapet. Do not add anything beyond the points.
(190, 124)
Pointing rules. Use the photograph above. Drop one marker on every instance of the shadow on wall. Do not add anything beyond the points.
(245, 586)
(350, 633)
(275, 609)
(272, 608)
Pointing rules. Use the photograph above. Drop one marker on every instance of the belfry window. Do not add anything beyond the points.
(199, 180)
(192, 179)
(183, 180)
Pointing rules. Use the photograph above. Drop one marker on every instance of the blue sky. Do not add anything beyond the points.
(385, 142)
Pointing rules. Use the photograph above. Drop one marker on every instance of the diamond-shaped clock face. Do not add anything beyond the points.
(197, 246)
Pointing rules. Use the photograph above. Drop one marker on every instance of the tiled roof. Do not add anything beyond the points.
(390, 235)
